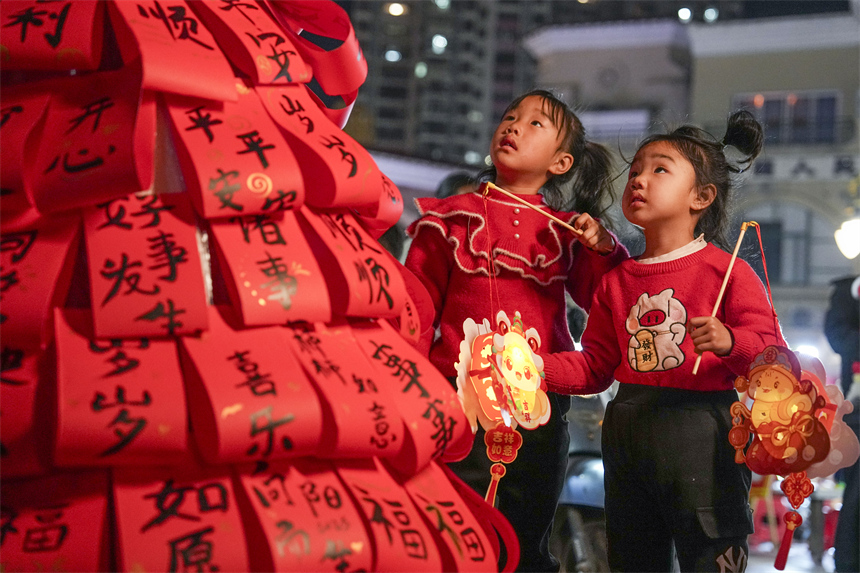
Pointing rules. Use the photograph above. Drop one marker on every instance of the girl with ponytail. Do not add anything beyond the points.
(672, 485)
(472, 250)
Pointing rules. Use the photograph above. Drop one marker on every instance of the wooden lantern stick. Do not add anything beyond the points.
(726, 280)
(530, 206)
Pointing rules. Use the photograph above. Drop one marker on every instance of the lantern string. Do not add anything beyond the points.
(494, 286)
(767, 281)
(726, 281)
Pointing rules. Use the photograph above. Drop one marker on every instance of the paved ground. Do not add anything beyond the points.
(799, 560)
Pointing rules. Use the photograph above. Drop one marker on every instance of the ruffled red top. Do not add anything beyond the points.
(536, 260)
(524, 242)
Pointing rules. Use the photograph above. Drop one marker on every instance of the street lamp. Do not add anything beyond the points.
(848, 237)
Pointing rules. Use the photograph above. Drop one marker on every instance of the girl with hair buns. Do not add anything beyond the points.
(672, 484)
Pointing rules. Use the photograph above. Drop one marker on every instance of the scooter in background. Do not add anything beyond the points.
(579, 531)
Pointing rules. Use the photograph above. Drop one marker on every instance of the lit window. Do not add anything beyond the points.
(472, 157)
(439, 43)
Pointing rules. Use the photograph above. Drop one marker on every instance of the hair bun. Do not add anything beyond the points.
(744, 133)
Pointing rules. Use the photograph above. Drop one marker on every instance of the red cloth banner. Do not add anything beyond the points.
(462, 541)
(254, 42)
(270, 272)
(300, 517)
(249, 400)
(365, 420)
(98, 142)
(402, 541)
(20, 118)
(234, 158)
(380, 216)
(343, 172)
(416, 319)
(52, 36)
(35, 268)
(26, 422)
(362, 276)
(339, 71)
(146, 277)
(182, 518)
(429, 404)
(120, 401)
(175, 50)
(56, 522)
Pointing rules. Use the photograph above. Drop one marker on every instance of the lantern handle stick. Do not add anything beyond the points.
(491, 185)
(726, 280)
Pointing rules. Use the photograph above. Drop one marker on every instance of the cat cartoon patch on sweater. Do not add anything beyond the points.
(657, 326)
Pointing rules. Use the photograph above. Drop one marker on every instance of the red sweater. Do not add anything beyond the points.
(636, 331)
(535, 258)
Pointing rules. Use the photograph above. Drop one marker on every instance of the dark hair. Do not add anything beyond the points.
(453, 182)
(708, 158)
(393, 240)
(587, 186)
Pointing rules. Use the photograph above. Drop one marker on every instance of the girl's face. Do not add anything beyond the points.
(661, 188)
(526, 145)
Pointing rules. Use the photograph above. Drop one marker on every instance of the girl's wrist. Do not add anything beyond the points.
(602, 250)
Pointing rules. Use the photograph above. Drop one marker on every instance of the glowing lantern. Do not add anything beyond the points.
(500, 384)
(500, 375)
(793, 418)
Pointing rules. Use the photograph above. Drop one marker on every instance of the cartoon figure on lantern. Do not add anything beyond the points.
(500, 374)
(500, 384)
(784, 418)
(797, 427)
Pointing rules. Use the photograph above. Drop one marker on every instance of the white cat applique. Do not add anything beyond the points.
(657, 326)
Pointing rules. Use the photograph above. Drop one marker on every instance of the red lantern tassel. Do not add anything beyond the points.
(792, 522)
(497, 471)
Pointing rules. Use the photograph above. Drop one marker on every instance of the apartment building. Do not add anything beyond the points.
(799, 75)
(440, 73)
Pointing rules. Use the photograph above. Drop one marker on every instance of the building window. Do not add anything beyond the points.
(390, 113)
(392, 92)
(391, 133)
(798, 245)
(794, 117)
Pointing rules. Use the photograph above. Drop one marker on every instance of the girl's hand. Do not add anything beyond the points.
(594, 236)
(709, 334)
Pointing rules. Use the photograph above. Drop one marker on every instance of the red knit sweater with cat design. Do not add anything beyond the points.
(637, 327)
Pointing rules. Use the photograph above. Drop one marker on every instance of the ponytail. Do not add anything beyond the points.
(587, 186)
(592, 191)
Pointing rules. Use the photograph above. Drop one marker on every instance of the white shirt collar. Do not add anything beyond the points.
(696, 244)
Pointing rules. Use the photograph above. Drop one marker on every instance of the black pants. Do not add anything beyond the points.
(672, 484)
(847, 541)
(528, 493)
